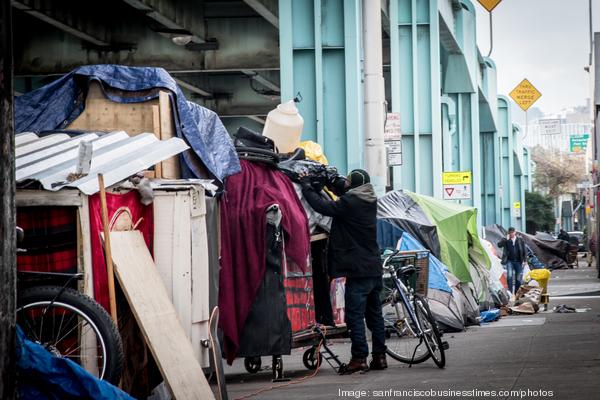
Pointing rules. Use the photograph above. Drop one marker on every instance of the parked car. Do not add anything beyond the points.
(577, 237)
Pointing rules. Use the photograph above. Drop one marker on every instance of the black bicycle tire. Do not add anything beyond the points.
(408, 359)
(441, 363)
(93, 311)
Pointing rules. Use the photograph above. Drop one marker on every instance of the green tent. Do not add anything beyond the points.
(457, 232)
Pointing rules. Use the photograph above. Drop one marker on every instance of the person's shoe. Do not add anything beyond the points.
(355, 365)
(378, 362)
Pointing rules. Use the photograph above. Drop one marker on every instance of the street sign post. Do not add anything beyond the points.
(550, 126)
(393, 139)
(525, 94)
(489, 5)
(517, 209)
(457, 185)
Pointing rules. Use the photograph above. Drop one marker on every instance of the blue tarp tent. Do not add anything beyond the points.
(57, 104)
(42, 376)
(388, 236)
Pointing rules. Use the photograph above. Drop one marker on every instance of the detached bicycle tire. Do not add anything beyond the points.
(50, 297)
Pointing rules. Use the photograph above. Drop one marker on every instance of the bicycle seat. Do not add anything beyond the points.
(406, 270)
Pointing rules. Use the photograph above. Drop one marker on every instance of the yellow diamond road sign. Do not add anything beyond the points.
(525, 94)
(489, 4)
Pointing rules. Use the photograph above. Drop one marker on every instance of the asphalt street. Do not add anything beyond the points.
(546, 355)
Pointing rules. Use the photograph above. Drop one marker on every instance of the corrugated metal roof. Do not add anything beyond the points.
(51, 159)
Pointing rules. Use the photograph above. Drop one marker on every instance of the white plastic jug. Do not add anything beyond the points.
(284, 125)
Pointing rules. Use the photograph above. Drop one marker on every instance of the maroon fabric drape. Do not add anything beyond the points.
(243, 241)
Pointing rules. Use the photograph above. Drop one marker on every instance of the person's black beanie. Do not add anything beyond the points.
(358, 177)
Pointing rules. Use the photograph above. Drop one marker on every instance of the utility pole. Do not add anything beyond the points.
(375, 155)
(7, 209)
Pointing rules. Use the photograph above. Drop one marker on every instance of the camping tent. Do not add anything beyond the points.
(457, 231)
(397, 212)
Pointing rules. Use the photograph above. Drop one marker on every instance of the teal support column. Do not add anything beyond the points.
(519, 176)
(416, 93)
(320, 57)
(490, 160)
(505, 139)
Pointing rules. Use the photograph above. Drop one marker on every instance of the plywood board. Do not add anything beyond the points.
(101, 114)
(156, 317)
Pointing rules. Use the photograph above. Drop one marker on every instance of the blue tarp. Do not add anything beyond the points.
(57, 104)
(42, 376)
(388, 236)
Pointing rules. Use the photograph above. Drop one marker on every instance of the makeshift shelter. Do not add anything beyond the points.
(398, 210)
(136, 120)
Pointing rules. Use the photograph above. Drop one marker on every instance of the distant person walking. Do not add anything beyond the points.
(592, 247)
(514, 256)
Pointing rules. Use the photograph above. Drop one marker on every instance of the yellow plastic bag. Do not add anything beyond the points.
(314, 151)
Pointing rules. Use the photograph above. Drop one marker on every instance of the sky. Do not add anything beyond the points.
(545, 41)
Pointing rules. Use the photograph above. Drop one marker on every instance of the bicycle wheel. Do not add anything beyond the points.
(433, 339)
(72, 326)
(403, 344)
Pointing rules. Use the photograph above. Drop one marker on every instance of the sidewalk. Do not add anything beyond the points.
(545, 352)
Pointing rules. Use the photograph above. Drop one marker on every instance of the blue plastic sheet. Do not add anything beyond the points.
(42, 376)
(490, 315)
(388, 236)
(57, 104)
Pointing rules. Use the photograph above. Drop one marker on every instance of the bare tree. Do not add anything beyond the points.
(557, 172)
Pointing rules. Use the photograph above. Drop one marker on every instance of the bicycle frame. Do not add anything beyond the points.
(404, 296)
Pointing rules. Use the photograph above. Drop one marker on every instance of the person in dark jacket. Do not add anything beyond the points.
(354, 254)
(514, 257)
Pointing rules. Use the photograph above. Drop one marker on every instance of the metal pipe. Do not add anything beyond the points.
(375, 155)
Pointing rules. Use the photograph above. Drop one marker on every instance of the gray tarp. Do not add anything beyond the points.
(400, 210)
(551, 253)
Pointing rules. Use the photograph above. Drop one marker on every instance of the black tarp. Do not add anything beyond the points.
(551, 253)
(268, 330)
(400, 210)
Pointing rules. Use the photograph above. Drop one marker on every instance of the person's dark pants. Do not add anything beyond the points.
(363, 303)
(514, 270)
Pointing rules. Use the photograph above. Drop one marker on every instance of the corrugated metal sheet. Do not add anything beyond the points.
(51, 159)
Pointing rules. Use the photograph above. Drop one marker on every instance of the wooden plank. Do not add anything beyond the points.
(89, 349)
(156, 130)
(200, 279)
(157, 318)
(164, 226)
(182, 260)
(101, 114)
(170, 167)
(33, 198)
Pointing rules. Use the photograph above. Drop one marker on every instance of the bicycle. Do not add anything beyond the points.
(67, 323)
(408, 319)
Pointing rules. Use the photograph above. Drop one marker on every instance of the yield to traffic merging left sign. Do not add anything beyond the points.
(489, 5)
(525, 94)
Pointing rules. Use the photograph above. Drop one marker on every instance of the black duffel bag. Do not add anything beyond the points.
(248, 138)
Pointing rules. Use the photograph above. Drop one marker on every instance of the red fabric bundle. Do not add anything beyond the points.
(243, 241)
(128, 207)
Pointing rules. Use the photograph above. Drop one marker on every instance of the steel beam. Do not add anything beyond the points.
(192, 88)
(59, 19)
(266, 9)
(168, 16)
(244, 43)
(262, 80)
